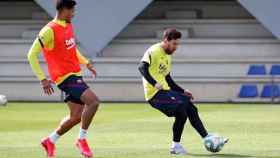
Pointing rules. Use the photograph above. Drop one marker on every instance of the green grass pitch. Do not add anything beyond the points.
(139, 131)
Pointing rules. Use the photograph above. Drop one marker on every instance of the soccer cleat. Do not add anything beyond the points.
(178, 150)
(49, 147)
(225, 140)
(83, 147)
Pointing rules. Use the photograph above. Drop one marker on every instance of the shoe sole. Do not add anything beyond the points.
(174, 153)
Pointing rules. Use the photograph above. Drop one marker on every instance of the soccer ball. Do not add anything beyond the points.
(3, 100)
(214, 143)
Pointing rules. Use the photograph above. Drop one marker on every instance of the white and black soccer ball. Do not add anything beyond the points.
(3, 100)
(214, 143)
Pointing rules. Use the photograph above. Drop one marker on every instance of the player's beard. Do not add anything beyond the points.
(169, 52)
(68, 20)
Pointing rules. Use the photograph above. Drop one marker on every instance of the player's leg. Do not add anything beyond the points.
(66, 124)
(179, 123)
(78, 91)
(170, 104)
(197, 123)
(73, 119)
(91, 105)
(178, 127)
(194, 118)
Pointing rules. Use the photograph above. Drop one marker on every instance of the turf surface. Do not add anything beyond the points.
(138, 131)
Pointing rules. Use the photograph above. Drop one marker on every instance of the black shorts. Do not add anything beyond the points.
(73, 87)
(168, 102)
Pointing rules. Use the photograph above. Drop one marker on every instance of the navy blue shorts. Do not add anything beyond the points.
(73, 87)
(168, 102)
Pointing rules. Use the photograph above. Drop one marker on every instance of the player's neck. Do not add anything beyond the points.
(60, 18)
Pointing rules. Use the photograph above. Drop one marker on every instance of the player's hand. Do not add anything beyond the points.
(47, 86)
(158, 86)
(92, 69)
(188, 93)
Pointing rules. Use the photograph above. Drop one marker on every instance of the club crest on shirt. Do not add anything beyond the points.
(162, 68)
(70, 43)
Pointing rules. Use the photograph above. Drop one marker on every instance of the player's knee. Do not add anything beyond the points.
(182, 118)
(91, 100)
(94, 102)
(97, 102)
(181, 114)
(75, 119)
(191, 107)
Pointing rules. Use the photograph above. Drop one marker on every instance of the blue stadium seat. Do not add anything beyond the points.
(270, 91)
(257, 70)
(275, 70)
(248, 91)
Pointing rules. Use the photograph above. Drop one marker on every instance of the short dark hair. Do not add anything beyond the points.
(69, 4)
(171, 34)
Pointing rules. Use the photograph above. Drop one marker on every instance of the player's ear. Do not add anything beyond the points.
(165, 40)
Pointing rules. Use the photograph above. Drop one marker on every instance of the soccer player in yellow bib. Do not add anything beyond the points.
(164, 94)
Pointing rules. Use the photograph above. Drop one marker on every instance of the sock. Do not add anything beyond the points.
(174, 144)
(82, 134)
(54, 137)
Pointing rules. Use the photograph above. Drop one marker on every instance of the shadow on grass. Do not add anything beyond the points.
(229, 156)
(221, 155)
